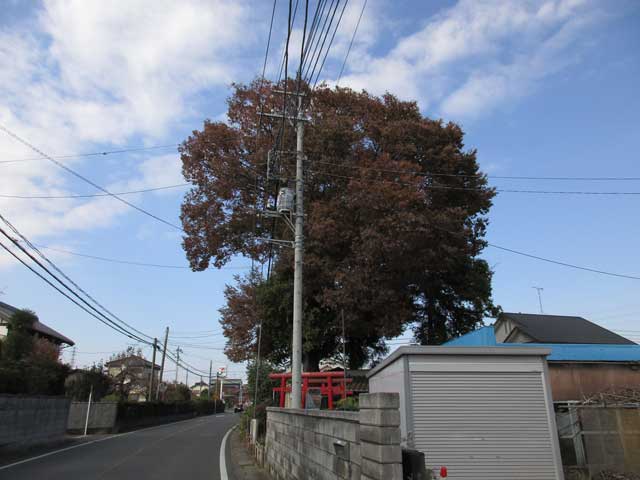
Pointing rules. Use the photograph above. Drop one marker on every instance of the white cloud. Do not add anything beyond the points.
(88, 74)
(479, 54)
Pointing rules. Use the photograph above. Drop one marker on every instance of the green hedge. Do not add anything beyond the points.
(32, 378)
(139, 410)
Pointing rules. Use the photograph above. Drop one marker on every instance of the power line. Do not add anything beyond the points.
(480, 175)
(204, 335)
(548, 260)
(326, 35)
(564, 264)
(128, 262)
(473, 189)
(94, 154)
(55, 267)
(355, 31)
(85, 179)
(266, 53)
(314, 41)
(330, 43)
(196, 346)
(93, 195)
(285, 52)
(46, 280)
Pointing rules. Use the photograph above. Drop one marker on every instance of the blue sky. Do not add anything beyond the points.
(541, 88)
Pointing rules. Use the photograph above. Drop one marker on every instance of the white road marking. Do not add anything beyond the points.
(223, 457)
(118, 435)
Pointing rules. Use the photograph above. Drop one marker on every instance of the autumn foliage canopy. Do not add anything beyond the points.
(395, 217)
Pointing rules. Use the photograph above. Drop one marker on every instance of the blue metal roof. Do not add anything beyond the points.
(568, 352)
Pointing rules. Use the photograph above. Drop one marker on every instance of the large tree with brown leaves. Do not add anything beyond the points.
(395, 219)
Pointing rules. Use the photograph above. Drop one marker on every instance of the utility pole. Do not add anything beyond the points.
(164, 354)
(209, 384)
(539, 289)
(298, 245)
(215, 402)
(178, 350)
(73, 357)
(296, 357)
(257, 372)
(153, 370)
(344, 347)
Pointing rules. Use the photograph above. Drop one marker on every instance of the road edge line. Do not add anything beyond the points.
(223, 455)
(97, 440)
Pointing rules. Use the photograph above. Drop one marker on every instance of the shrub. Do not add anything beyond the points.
(349, 403)
(32, 378)
(261, 417)
(139, 410)
(80, 383)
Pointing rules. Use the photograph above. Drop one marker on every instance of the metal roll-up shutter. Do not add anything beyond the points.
(483, 425)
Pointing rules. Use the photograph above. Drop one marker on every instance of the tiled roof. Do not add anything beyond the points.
(563, 329)
(39, 327)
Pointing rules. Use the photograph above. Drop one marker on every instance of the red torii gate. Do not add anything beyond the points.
(330, 384)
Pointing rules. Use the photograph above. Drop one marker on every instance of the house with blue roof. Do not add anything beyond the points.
(585, 358)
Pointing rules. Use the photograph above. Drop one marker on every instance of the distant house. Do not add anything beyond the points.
(197, 389)
(38, 329)
(131, 375)
(585, 358)
(534, 328)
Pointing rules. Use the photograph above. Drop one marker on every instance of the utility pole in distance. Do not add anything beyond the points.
(153, 370)
(178, 350)
(209, 385)
(164, 354)
(539, 289)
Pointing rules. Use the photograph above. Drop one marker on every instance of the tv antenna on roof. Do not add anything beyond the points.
(539, 289)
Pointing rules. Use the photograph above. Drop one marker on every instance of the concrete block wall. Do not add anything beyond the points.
(102, 416)
(26, 421)
(380, 436)
(332, 445)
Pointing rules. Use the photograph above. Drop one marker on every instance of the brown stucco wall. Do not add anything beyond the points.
(574, 381)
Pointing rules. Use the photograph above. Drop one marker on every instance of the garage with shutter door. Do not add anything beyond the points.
(483, 412)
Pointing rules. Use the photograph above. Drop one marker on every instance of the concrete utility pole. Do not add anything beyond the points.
(257, 371)
(296, 349)
(178, 350)
(164, 354)
(298, 245)
(153, 370)
(209, 384)
(539, 289)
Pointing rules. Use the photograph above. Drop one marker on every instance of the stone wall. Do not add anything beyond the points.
(331, 445)
(102, 417)
(26, 421)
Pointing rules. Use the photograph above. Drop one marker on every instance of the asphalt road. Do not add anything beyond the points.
(184, 450)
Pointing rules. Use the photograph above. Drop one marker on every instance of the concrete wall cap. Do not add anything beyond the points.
(331, 414)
